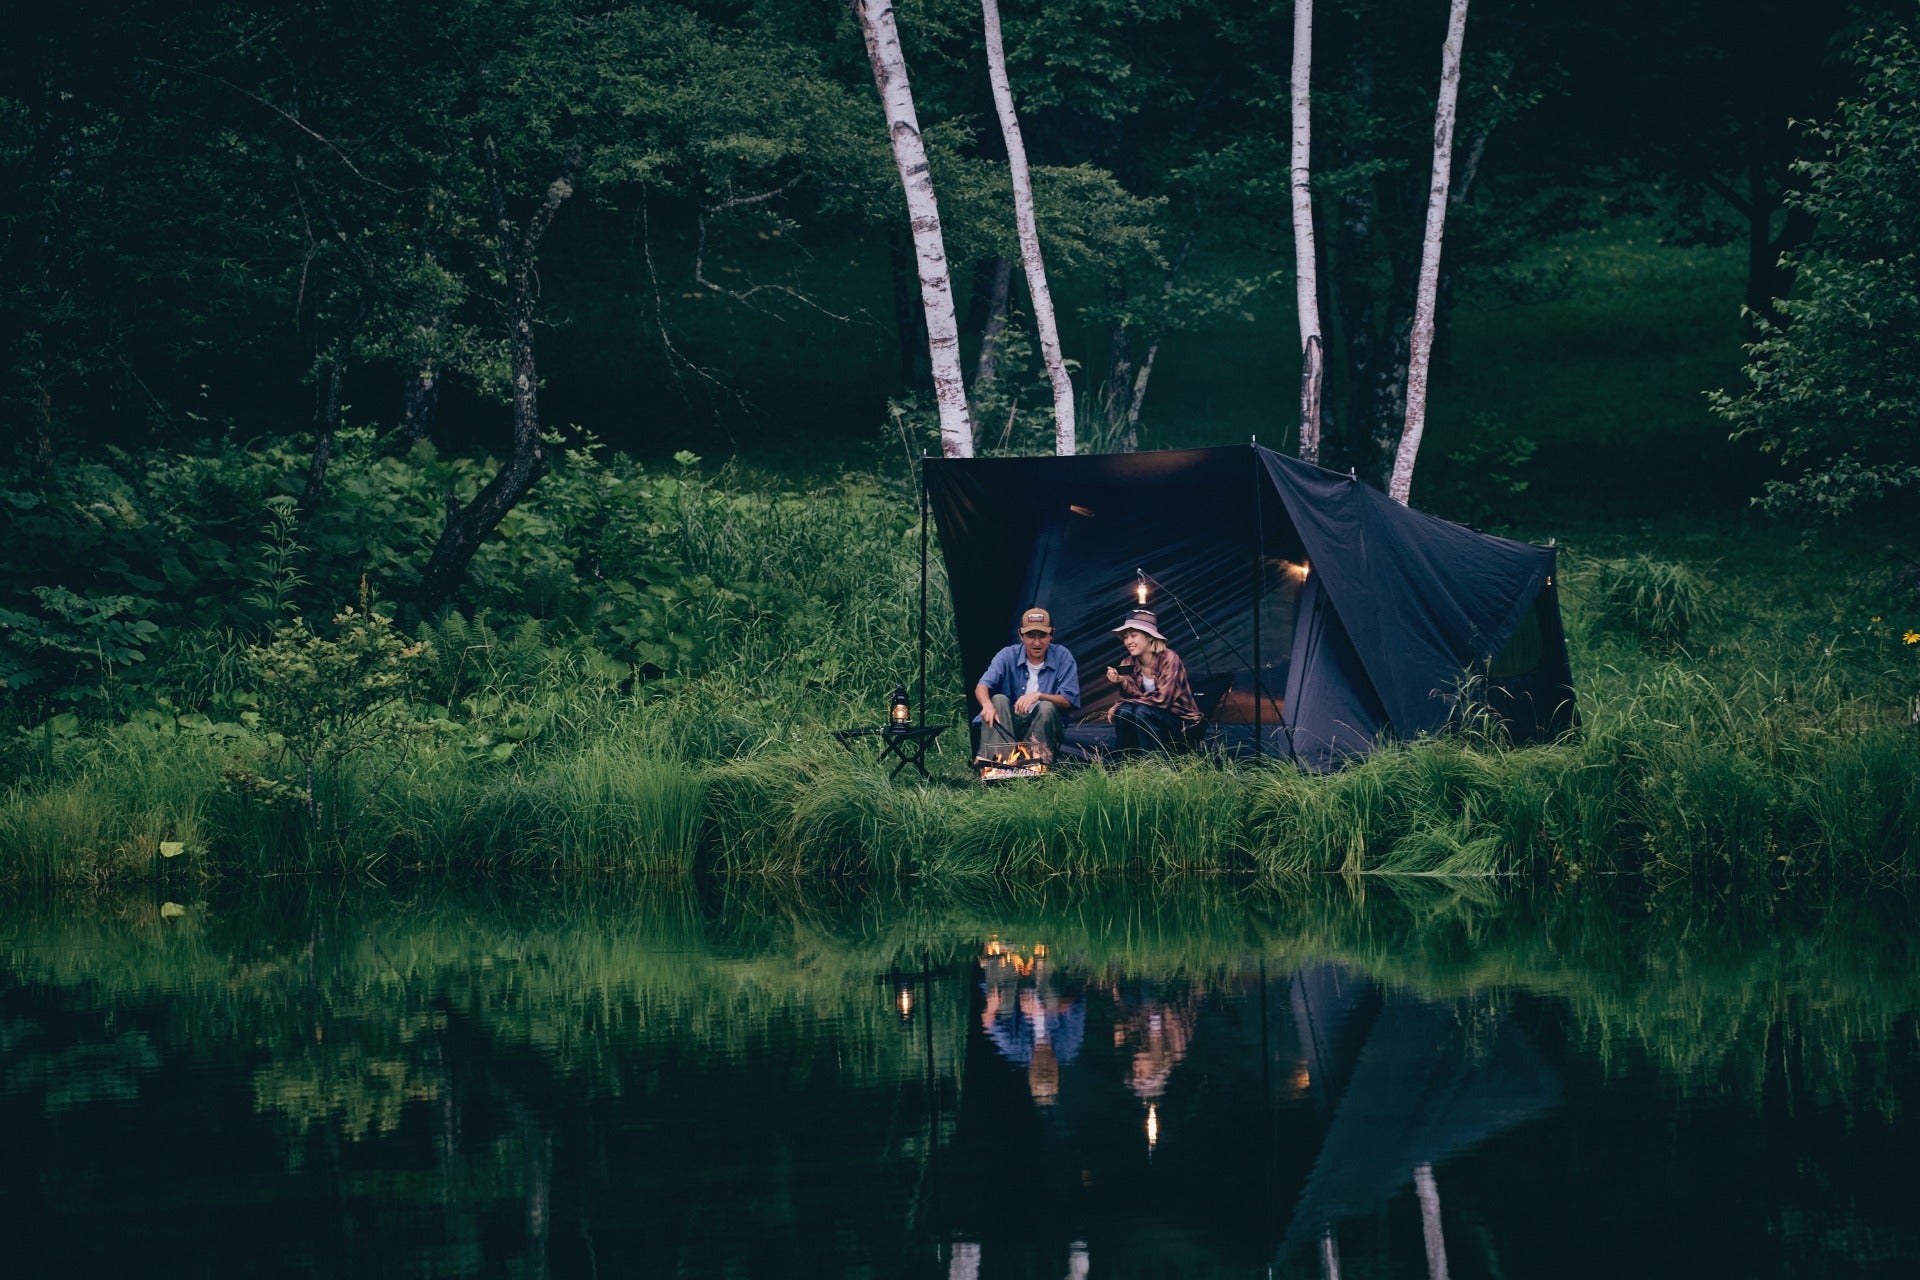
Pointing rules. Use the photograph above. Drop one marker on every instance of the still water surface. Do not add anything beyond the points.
(1195, 1081)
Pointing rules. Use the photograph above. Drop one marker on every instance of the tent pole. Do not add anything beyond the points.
(1259, 569)
(920, 699)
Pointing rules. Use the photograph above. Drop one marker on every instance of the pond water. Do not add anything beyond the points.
(1184, 1080)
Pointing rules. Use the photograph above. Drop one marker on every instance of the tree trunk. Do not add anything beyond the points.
(909, 317)
(1127, 438)
(1028, 226)
(327, 419)
(1129, 441)
(1116, 387)
(1767, 277)
(1387, 394)
(1305, 267)
(997, 291)
(323, 436)
(1420, 350)
(923, 211)
(467, 527)
(1429, 1193)
(420, 403)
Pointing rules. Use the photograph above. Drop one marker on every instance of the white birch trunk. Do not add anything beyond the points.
(936, 285)
(1049, 333)
(1421, 353)
(1429, 1193)
(1305, 267)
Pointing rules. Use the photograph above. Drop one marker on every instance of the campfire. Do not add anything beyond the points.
(1020, 762)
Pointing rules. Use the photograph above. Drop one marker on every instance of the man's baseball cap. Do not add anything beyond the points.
(1036, 620)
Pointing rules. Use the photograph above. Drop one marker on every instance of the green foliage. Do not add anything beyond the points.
(75, 643)
(325, 703)
(1833, 388)
(279, 577)
(1483, 476)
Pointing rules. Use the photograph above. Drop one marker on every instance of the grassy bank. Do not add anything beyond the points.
(1725, 735)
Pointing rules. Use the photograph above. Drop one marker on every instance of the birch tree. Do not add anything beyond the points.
(1030, 259)
(882, 38)
(1421, 349)
(1305, 271)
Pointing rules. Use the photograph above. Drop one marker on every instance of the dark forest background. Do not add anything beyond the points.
(269, 220)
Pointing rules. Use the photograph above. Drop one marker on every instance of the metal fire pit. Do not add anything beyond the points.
(1019, 764)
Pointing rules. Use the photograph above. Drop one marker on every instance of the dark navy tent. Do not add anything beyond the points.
(1315, 613)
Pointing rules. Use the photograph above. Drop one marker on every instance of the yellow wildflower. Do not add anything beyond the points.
(1912, 637)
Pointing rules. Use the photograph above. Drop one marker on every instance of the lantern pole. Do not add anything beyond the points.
(1259, 572)
(921, 701)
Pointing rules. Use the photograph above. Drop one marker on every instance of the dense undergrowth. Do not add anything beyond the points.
(643, 679)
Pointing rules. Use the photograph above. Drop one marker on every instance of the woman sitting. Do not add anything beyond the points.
(1156, 708)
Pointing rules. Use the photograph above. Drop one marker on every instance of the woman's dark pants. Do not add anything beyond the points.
(1142, 728)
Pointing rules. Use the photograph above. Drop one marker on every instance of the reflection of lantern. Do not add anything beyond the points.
(903, 1001)
(900, 713)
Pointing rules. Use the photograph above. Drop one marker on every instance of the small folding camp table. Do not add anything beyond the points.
(907, 745)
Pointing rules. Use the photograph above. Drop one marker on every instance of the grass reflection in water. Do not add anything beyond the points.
(759, 1082)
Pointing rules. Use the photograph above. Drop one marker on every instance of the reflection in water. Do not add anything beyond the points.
(1405, 1084)
(1398, 1084)
(547, 1080)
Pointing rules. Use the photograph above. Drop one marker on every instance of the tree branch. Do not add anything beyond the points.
(289, 117)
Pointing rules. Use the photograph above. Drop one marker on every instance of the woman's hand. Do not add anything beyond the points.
(1113, 677)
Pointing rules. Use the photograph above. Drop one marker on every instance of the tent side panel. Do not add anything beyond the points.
(986, 543)
(1426, 603)
(1530, 683)
(1333, 713)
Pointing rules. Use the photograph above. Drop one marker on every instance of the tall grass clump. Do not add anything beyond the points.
(607, 806)
(1429, 808)
(114, 813)
(1661, 602)
(814, 810)
(1862, 805)
(610, 806)
(1146, 817)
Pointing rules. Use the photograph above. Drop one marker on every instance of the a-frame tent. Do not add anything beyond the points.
(1317, 613)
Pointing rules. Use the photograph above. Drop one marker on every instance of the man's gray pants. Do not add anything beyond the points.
(1041, 729)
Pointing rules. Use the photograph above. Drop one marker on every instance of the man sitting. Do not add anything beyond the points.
(1026, 693)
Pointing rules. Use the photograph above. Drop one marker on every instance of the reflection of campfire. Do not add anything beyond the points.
(1021, 762)
(997, 958)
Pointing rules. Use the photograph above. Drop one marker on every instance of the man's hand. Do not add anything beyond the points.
(1027, 702)
(987, 715)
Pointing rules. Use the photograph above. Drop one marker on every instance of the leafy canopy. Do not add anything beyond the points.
(1833, 385)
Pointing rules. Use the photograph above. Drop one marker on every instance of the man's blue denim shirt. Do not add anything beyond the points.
(1007, 674)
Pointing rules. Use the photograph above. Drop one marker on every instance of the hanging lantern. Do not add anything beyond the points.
(900, 714)
(1140, 586)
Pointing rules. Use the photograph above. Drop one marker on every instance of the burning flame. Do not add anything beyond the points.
(1020, 762)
